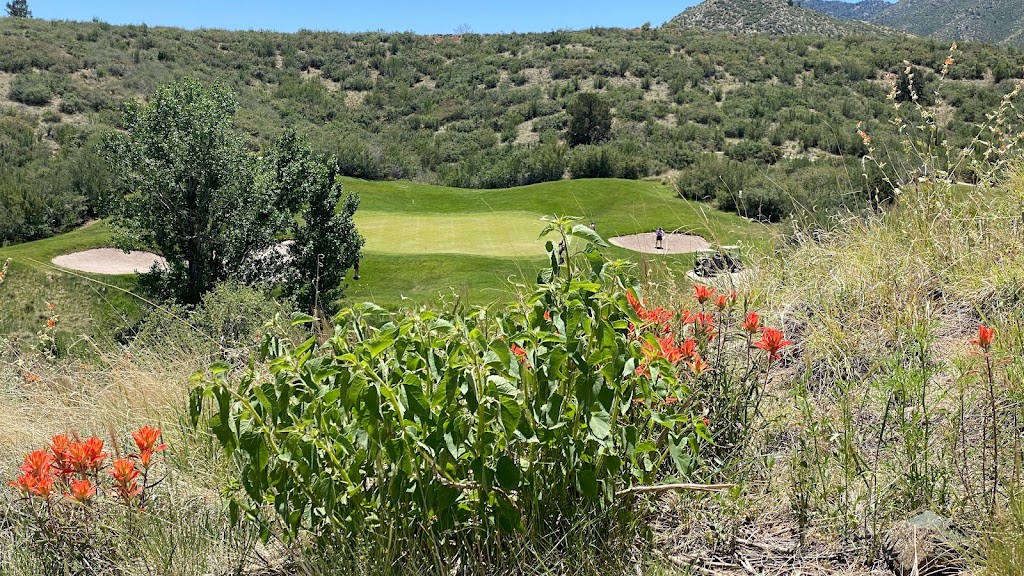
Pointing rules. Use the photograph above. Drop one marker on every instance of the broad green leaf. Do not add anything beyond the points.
(586, 482)
(507, 473)
(600, 424)
(585, 232)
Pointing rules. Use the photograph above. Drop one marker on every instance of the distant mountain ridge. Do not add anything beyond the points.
(776, 17)
(991, 21)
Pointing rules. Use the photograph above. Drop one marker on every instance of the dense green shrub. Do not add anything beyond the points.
(762, 200)
(470, 428)
(231, 317)
(606, 162)
(713, 177)
(31, 88)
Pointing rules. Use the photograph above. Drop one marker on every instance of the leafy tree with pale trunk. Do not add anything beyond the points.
(216, 212)
(192, 191)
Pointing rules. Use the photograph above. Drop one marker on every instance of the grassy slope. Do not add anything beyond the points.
(389, 277)
(86, 304)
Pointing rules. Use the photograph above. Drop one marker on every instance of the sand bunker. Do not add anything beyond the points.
(109, 261)
(674, 243)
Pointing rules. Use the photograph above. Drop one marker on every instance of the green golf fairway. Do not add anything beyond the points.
(502, 234)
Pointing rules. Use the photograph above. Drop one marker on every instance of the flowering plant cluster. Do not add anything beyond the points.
(71, 493)
(3, 271)
(716, 354)
(688, 337)
(77, 471)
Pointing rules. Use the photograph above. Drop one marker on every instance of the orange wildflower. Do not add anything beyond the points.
(751, 323)
(88, 455)
(60, 446)
(146, 437)
(984, 339)
(38, 463)
(125, 474)
(688, 349)
(82, 490)
(703, 293)
(698, 366)
(771, 342)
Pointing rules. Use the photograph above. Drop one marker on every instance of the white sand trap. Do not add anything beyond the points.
(110, 261)
(674, 243)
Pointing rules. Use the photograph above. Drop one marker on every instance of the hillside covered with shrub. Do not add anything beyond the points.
(490, 111)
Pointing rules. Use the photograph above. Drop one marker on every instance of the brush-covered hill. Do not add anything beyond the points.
(866, 10)
(485, 111)
(776, 17)
(993, 21)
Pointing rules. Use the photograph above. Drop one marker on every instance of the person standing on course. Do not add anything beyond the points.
(659, 237)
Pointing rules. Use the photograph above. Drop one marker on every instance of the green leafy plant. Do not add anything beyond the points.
(476, 428)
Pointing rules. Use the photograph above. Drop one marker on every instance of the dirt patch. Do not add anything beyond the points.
(109, 261)
(354, 99)
(525, 133)
(674, 243)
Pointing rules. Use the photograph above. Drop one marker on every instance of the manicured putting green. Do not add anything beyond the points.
(496, 234)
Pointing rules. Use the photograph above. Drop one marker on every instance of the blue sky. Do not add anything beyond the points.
(437, 17)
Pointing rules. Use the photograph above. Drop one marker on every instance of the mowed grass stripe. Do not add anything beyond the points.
(498, 234)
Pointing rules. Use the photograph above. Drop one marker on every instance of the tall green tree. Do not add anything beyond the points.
(18, 9)
(590, 119)
(193, 193)
(326, 243)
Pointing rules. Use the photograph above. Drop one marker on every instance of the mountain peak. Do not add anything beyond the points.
(777, 17)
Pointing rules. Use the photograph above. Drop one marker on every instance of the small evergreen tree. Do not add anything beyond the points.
(18, 9)
(590, 119)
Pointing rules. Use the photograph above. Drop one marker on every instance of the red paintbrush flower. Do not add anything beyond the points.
(688, 349)
(124, 472)
(60, 447)
(771, 342)
(38, 464)
(82, 490)
(703, 293)
(751, 323)
(146, 439)
(984, 339)
(698, 366)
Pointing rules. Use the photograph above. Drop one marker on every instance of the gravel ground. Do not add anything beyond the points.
(109, 261)
(674, 243)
